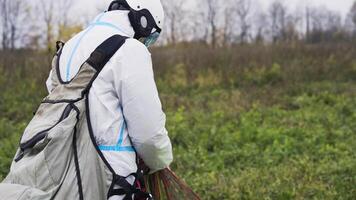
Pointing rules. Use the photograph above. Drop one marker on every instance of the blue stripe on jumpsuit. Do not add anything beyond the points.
(119, 146)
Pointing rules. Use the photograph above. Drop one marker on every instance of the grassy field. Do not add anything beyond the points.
(246, 122)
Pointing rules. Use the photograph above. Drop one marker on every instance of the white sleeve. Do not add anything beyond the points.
(49, 82)
(143, 110)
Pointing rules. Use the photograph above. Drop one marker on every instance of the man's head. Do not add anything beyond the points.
(146, 18)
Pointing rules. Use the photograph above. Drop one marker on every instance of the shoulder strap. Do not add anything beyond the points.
(81, 83)
(55, 77)
(105, 51)
(98, 58)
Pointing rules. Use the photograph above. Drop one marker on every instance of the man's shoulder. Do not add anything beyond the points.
(136, 47)
(133, 57)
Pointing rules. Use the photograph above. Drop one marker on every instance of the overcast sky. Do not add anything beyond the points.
(90, 7)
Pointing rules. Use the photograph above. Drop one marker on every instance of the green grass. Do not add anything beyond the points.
(306, 151)
(261, 134)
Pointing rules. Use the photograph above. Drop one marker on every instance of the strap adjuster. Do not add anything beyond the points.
(126, 189)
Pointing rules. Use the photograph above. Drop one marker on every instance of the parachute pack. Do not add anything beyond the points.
(58, 157)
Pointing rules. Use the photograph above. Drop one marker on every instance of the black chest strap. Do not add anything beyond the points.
(102, 54)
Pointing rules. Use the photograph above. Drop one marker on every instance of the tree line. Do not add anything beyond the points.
(35, 24)
(224, 22)
(38, 23)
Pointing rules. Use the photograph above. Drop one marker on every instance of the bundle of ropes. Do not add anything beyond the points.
(166, 185)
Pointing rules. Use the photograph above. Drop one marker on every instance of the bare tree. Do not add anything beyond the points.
(64, 7)
(326, 26)
(199, 31)
(278, 14)
(228, 31)
(290, 31)
(243, 11)
(212, 18)
(307, 22)
(5, 23)
(174, 18)
(352, 18)
(353, 13)
(261, 21)
(12, 14)
(48, 16)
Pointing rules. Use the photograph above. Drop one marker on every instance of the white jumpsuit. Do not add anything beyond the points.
(124, 102)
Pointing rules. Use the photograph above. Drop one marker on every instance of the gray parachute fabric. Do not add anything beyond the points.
(58, 158)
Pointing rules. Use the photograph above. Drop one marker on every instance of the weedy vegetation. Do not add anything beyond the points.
(246, 121)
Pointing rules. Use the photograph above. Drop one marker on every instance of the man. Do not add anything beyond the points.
(125, 108)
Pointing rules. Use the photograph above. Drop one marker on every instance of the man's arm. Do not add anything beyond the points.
(143, 110)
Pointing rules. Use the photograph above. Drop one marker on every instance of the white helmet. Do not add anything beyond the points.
(146, 18)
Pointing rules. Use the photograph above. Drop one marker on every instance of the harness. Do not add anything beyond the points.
(98, 60)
